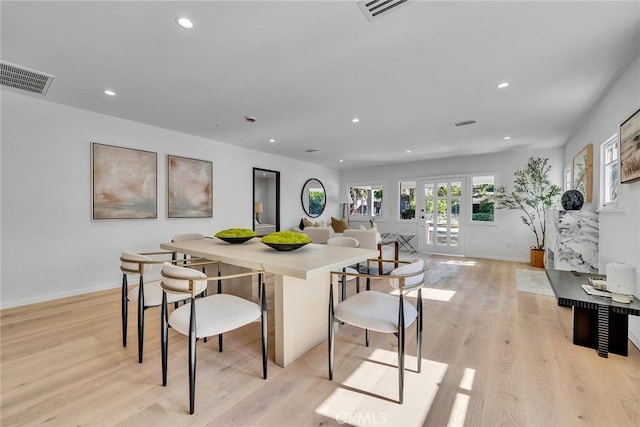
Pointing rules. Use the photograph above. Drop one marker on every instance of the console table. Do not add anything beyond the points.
(598, 322)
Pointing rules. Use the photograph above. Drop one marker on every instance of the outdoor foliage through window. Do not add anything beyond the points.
(407, 200)
(367, 200)
(482, 198)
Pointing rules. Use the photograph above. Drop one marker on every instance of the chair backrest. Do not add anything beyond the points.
(184, 237)
(347, 242)
(411, 279)
(182, 279)
(134, 263)
(368, 239)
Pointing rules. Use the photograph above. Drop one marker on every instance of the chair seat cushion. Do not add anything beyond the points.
(338, 279)
(375, 311)
(215, 314)
(153, 294)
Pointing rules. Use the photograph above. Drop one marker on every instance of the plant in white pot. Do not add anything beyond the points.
(533, 194)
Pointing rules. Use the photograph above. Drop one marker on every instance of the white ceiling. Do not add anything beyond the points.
(305, 68)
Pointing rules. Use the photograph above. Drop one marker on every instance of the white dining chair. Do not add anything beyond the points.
(382, 312)
(147, 294)
(205, 317)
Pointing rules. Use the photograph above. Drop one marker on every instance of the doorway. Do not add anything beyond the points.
(441, 208)
(266, 201)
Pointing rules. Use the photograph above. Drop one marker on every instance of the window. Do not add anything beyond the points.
(482, 198)
(567, 178)
(407, 200)
(609, 173)
(367, 200)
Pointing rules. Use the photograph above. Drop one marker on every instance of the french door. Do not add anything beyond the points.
(440, 229)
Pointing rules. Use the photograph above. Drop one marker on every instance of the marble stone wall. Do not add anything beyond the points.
(573, 236)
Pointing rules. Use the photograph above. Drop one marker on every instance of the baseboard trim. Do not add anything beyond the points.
(59, 295)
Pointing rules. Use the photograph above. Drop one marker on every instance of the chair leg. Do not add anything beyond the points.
(357, 285)
(331, 332)
(125, 309)
(164, 337)
(367, 337)
(419, 329)
(140, 319)
(192, 357)
(264, 330)
(219, 335)
(401, 351)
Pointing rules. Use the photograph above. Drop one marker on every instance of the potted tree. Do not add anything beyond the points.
(534, 194)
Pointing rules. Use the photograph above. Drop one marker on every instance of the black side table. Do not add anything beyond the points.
(598, 322)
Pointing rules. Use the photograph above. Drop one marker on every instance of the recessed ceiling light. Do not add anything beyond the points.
(184, 23)
(408, 151)
(355, 120)
(109, 92)
(507, 137)
(502, 85)
(341, 160)
(272, 140)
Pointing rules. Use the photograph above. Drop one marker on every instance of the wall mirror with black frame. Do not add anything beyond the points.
(266, 201)
(313, 197)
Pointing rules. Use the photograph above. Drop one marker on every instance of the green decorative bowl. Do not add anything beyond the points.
(285, 246)
(236, 235)
(236, 239)
(286, 240)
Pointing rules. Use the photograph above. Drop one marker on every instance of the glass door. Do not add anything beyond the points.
(439, 227)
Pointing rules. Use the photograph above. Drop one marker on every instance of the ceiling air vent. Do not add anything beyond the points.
(23, 78)
(310, 150)
(465, 123)
(374, 9)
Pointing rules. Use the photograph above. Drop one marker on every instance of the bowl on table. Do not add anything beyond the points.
(286, 240)
(236, 235)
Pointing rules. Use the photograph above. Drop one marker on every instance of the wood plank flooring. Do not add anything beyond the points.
(492, 356)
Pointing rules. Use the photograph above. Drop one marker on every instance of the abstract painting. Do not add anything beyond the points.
(124, 183)
(630, 149)
(189, 187)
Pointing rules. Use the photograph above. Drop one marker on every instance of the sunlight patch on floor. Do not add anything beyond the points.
(456, 262)
(368, 396)
(431, 294)
(461, 402)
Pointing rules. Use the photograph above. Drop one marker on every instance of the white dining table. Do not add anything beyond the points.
(301, 280)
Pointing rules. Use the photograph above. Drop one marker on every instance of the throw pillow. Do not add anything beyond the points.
(301, 225)
(307, 223)
(339, 225)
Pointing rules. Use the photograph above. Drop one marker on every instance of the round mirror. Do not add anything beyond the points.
(313, 197)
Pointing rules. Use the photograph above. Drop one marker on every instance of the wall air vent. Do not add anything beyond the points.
(310, 150)
(23, 78)
(465, 123)
(374, 9)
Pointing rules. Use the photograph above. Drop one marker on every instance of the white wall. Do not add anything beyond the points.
(619, 230)
(508, 239)
(50, 246)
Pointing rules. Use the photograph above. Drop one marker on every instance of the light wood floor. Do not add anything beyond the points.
(492, 356)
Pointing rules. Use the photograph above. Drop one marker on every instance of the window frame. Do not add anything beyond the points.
(375, 185)
(613, 140)
(471, 186)
(399, 200)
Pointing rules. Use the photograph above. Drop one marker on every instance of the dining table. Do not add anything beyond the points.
(301, 284)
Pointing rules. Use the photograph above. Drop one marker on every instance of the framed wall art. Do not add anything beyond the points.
(189, 188)
(630, 149)
(582, 172)
(124, 183)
